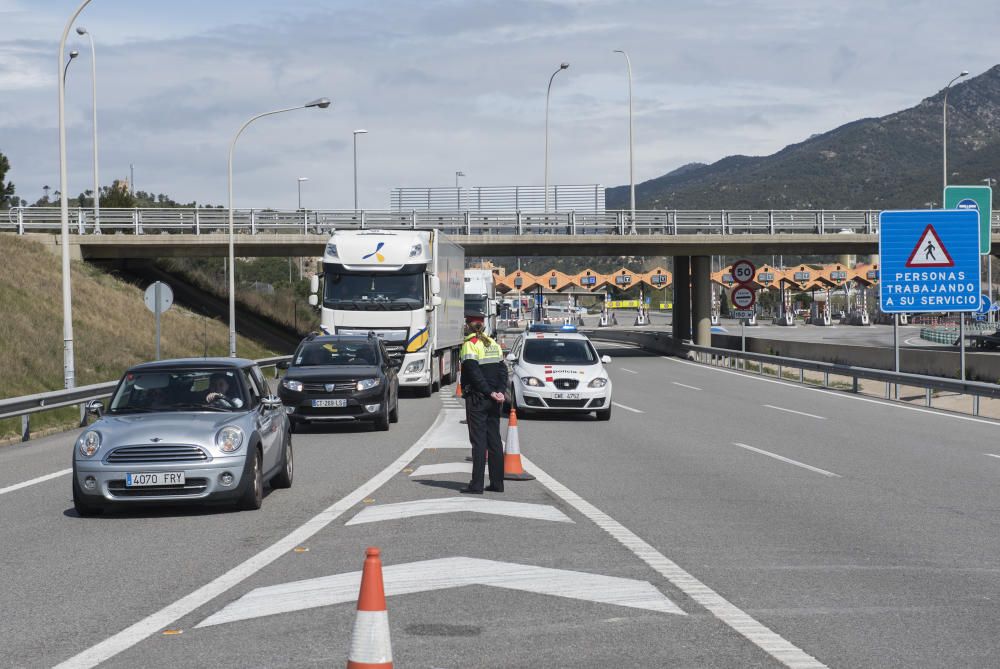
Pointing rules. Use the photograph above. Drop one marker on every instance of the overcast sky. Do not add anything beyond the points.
(446, 85)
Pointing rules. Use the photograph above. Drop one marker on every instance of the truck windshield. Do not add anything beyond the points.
(475, 304)
(373, 291)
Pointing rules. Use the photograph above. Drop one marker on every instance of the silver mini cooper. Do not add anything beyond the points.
(190, 430)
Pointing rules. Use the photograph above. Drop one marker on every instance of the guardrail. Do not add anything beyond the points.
(740, 361)
(321, 221)
(27, 405)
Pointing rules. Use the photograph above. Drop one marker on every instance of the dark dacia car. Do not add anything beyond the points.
(341, 378)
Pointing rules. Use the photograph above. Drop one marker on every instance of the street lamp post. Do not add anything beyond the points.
(72, 54)
(69, 366)
(356, 133)
(458, 190)
(321, 103)
(944, 127)
(562, 66)
(631, 155)
(300, 180)
(93, 82)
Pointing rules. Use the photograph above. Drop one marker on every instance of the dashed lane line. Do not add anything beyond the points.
(788, 460)
(152, 623)
(801, 413)
(684, 385)
(628, 408)
(626, 369)
(834, 393)
(761, 636)
(40, 479)
(992, 455)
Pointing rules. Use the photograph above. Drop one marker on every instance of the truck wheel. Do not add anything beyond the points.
(426, 391)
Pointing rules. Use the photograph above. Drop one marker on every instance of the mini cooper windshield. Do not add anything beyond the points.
(163, 390)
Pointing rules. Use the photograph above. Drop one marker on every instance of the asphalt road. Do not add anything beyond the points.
(762, 524)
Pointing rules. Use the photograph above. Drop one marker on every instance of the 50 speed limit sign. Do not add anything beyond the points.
(743, 297)
(743, 271)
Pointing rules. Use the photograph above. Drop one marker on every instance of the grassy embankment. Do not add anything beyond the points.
(111, 328)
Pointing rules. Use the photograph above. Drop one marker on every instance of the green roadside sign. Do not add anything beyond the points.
(978, 198)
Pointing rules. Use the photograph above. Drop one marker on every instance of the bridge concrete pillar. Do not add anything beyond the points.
(701, 300)
(682, 298)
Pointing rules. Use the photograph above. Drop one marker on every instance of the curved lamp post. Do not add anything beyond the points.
(631, 158)
(562, 66)
(356, 133)
(320, 103)
(944, 127)
(93, 82)
(69, 366)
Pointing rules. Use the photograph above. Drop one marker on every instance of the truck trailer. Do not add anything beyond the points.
(481, 298)
(406, 286)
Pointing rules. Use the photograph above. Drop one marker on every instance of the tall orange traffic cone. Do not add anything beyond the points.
(370, 644)
(512, 469)
(458, 388)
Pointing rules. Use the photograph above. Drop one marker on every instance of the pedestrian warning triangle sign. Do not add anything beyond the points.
(929, 251)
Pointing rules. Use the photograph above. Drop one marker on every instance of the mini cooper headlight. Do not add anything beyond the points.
(229, 439)
(89, 443)
(292, 384)
(531, 381)
(366, 384)
(599, 382)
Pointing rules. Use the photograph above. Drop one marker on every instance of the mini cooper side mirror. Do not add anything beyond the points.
(95, 408)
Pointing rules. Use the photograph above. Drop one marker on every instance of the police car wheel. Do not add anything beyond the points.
(603, 414)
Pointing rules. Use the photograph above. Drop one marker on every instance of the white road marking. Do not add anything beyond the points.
(440, 505)
(801, 413)
(443, 468)
(684, 385)
(622, 406)
(788, 460)
(154, 622)
(776, 646)
(630, 371)
(834, 393)
(442, 574)
(40, 479)
(992, 455)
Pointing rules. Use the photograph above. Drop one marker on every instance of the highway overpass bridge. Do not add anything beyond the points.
(691, 237)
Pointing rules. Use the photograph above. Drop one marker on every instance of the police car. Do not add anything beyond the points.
(558, 369)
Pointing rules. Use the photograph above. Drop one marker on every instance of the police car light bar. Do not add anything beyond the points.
(551, 327)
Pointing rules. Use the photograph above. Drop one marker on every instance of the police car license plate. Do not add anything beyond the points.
(329, 403)
(146, 479)
(565, 396)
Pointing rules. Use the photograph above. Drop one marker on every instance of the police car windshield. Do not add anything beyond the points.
(319, 353)
(562, 351)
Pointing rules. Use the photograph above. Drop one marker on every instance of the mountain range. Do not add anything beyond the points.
(893, 161)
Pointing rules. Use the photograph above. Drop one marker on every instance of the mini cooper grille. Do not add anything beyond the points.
(191, 487)
(566, 384)
(157, 453)
(342, 387)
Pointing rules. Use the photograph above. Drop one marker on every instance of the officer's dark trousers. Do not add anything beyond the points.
(484, 431)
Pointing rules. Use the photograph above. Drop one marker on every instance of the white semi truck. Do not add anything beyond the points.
(481, 298)
(404, 285)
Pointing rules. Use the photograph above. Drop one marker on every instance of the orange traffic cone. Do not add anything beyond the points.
(370, 644)
(458, 388)
(512, 469)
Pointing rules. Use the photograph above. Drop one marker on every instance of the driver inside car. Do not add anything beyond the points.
(218, 392)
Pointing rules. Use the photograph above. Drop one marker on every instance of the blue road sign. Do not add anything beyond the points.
(929, 260)
(985, 304)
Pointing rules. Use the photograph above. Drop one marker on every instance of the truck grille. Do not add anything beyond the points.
(156, 453)
(340, 387)
(566, 384)
(191, 487)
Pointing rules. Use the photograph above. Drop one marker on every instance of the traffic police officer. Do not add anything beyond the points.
(484, 377)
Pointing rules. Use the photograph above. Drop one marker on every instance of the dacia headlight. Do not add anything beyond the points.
(416, 250)
(292, 384)
(414, 367)
(599, 382)
(331, 250)
(90, 441)
(531, 381)
(367, 384)
(229, 439)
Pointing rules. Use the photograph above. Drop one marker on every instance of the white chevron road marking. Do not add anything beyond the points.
(430, 507)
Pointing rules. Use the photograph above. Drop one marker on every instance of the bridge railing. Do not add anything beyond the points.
(320, 221)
